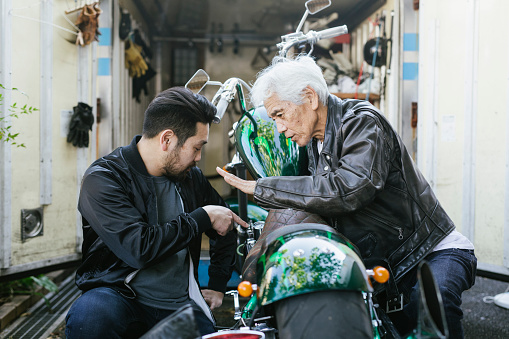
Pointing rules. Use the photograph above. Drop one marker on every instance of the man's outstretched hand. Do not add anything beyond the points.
(246, 186)
(213, 298)
(223, 219)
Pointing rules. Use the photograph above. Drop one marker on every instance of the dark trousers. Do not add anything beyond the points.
(454, 271)
(105, 313)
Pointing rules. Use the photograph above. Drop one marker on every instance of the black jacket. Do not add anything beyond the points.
(366, 184)
(120, 230)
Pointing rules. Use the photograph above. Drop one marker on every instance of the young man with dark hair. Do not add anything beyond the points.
(144, 208)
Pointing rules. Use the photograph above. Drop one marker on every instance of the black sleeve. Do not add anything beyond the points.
(108, 206)
(222, 248)
(361, 172)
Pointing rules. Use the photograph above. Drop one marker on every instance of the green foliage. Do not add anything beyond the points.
(28, 285)
(13, 111)
(45, 282)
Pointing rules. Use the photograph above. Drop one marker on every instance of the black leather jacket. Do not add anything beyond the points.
(366, 184)
(120, 230)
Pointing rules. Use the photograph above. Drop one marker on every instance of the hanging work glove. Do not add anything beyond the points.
(88, 24)
(140, 83)
(125, 25)
(138, 40)
(134, 60)
(81, 122)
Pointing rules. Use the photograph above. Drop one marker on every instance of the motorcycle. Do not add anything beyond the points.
(431, 324)
(303, 278)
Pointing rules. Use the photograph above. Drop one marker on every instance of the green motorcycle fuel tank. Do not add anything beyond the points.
(265, 151)
(307, 258)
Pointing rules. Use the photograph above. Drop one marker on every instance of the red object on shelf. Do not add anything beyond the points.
(342, 39)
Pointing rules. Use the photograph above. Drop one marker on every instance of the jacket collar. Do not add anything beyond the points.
(334, 116)
(133, 157)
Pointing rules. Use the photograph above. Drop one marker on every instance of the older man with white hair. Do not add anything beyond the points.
(363, 181)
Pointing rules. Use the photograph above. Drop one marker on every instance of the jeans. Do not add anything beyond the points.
(104, 313)
(454, 271)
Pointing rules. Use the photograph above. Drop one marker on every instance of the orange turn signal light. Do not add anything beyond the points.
(380, 274)
(245, 289)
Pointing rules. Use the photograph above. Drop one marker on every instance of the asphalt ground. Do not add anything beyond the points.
(482, 318)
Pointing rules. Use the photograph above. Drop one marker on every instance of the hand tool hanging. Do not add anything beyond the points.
(368, 48)
(388, 68)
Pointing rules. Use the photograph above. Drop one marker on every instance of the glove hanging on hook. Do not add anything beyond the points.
(134, 60)
(81, 122)
(125, 25)
(88, 24)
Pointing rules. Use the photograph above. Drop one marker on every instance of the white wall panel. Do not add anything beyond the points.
(471, 116)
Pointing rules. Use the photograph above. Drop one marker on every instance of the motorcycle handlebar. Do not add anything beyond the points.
(221, 109)
(332, 32)
(311, 37)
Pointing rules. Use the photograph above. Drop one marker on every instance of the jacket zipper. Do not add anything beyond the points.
(385, 224)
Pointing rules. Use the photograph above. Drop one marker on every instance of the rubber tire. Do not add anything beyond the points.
(325, 314)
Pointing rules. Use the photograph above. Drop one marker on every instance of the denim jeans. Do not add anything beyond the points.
(104, 313)
(454, 271)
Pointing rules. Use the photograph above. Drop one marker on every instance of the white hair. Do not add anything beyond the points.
(287, 78)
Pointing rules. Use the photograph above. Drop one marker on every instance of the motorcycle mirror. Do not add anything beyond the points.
(312, 7)
(431, 315)
(315, 6)
(198, 81)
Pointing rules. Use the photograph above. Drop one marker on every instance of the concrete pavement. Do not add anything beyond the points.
(482, 318)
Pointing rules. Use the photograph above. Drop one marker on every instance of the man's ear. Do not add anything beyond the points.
(311, 96)
(166, 138)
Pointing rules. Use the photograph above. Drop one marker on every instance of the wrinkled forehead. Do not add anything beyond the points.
(276, 106)
(273, 105)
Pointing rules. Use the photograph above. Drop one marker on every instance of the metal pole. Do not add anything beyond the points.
(5, 148)
(46, 112)
(241, 196)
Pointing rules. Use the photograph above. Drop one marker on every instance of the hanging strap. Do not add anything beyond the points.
(195, 294)
(394, 298)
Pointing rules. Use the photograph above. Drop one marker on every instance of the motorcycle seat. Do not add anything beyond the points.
(295, 228)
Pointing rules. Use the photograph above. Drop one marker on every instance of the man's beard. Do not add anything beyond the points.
(171, 170)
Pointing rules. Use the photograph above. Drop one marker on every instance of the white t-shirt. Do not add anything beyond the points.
(454, 240)
(319, 146)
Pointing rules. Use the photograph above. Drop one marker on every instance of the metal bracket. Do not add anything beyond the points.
(235, 295)
(394, 304)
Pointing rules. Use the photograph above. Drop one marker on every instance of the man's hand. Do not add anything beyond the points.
(246, 186)
(213, 298)
(222, 219)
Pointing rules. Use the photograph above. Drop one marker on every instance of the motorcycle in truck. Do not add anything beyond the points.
(303, 279)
